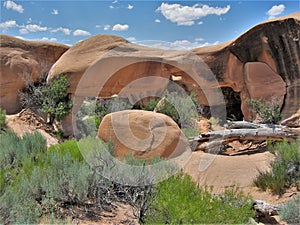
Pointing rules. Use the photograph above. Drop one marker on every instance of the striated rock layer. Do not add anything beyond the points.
(20, 62)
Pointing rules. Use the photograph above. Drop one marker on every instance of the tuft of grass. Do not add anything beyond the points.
(285, 169)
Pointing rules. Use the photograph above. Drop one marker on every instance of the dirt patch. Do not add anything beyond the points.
(28, 122)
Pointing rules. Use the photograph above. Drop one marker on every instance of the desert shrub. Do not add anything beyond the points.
(15, 149)
(38, 183)
(181, 109)
(178, 200)
(268, 111)
(285, 169)
(68, 147)
(290, 211)
(31, 97)
(56, 100)
(92, 111)
(191, 131)
(51, 98)
(214, 120)
(2, 118)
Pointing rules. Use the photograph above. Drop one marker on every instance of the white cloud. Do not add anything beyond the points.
(47, 39)
(54, 12)
(200, 22)
(120, 27)
(114, 2)
(199, 39)
(12, 5)
(66, 31)
(20, 37)
(111, 7)
(275, 11)
(176, 45)
(186, 15)
(157, 21)
(130, 6)
(79, 32)
(31, 28)
(106, 27)
(8, 24)
(29, 20)
(131, 39)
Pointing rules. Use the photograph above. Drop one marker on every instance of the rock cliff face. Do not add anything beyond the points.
(20, 62)
(264, 62)
(261, 63)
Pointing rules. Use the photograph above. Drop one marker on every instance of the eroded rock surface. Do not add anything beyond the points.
(261, 63)
(20, 62)
(144, 134)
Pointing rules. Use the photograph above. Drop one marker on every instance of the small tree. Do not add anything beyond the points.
(268, 111)
(56, 100)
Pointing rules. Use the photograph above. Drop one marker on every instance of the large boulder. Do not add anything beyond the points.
(143, 134)
(20, 62)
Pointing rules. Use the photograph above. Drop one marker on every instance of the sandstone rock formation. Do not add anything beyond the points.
(261, 63)
(269, 51)
(145, 134)
(20, 62)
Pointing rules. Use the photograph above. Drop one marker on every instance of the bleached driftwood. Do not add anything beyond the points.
(265, 208)
(215, 139)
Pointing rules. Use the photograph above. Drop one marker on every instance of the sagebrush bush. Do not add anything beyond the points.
(268, 111)
(35, 181)
(181, 109)
(290, 211)
(2, 118)
(285, 169)
(178, 200)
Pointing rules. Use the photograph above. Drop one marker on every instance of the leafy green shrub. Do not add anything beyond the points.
(181, 109)
(179, 200)
(290, 211)
(2, 118)
(52, 99)
(68, 147)
(268, 111)
(56, 100)
(284, 169)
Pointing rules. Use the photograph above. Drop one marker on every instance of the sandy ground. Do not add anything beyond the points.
(228, 171)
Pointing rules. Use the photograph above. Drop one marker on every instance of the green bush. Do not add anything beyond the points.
(52, 99)
(268, 111)
(68, 147)
(2, 118)
(179, 200)
(56, 100)
(285, 170)
(290, 211)
(181, 109)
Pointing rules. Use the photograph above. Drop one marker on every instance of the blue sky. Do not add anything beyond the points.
(166, 24)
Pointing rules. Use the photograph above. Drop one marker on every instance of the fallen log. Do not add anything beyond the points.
(241, 125)
(266, 209)
(215, 139)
